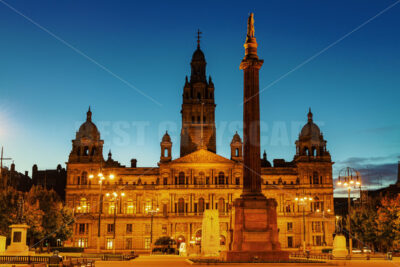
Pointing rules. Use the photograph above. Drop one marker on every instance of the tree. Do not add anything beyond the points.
(389, 222)
(364, 225)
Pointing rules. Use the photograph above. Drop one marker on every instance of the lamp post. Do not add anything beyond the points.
(152, 212)
(302, 201)
(101, 178)
(114, 197)
(349, 178)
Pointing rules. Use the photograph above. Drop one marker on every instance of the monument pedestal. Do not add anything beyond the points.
(255, 235)
(339, 247)
(18, 245)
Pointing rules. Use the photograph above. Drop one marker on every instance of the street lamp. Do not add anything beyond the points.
(101, 178)
(114, 197)
(302, 201)
(152, 212)
(349, 178)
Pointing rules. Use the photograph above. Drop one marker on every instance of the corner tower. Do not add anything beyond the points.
(198, 107)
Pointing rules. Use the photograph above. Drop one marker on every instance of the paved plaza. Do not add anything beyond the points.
(176, 261)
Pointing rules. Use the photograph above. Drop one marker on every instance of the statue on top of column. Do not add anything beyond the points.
(250, 26)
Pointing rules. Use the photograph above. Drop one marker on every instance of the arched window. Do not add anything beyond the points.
(221, 178)
(201, 205)
(181, 178)
(93, 151)
(165, 180)
(165, 152)
(199, 95)
(315, 178)
(181, 205)
(237, 152)
(313, 151)
(193, 119)
(221, 205)
(86, 151)
(111, 207)
(84, 178)
(198, 119)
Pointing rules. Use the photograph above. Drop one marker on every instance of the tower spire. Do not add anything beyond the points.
(310, 115)
(89, 115)
(198, 38)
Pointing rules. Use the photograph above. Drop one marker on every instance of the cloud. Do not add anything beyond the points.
(376, 172)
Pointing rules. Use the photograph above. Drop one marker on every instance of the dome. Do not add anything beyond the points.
(88, 129)
(198, 55)
(166, 137)
(310, 129)
(236, 138)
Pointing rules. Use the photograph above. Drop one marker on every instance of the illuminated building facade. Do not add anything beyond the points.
(177, 191)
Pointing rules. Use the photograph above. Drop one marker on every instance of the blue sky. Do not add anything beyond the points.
(47, 83)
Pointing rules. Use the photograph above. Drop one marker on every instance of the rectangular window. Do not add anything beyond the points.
(82, 228)
(290, 241)
(289, 226)
(147, 229)
(81, 242)
(317, 240)
(316, 227)
(110, 243)
(147, 242)
(128, 243)
(129, 228)
(164, 229)
(110, 228)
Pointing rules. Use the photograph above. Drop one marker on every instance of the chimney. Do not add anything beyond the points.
(26, 173)
(133, 163)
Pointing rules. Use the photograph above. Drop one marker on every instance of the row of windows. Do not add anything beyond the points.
(316, 227)
(201, 179)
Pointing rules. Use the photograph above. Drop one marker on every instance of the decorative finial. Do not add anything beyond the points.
(109, 154)
(250, 26)
(198, 38)
(89, 115)
(265, 155)
(310, 115)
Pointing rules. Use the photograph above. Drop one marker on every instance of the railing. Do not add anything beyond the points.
(325, 256)
(24, 259)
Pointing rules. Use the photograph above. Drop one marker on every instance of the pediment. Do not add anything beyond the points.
(202, 156)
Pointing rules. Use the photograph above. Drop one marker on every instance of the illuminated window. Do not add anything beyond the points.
(129, 206)
(81, 242)
(111, 207)
(110, 243)
(147, 243)
(83, 206)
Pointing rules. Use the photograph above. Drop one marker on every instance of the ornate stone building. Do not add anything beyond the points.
(122, 200)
